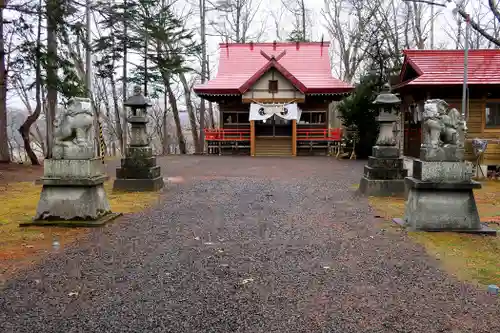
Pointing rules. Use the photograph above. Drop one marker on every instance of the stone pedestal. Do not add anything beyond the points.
(440, 195)
(384, 175)
(138, 171)
(73, 194)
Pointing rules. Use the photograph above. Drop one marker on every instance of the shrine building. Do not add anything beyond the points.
(429, 74)
(274, 99)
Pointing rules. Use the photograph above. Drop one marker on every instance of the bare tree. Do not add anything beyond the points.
(52, 10)
(191, 113)
(476, 25)
(347, 21)
(301, 15)
(4, 146)
(277, 16)
(479, 13)
(25, 129)
(235, 19)
(203, 34)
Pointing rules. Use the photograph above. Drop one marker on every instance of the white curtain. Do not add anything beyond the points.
(266, 111)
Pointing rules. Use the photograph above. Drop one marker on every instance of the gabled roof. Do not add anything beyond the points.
(446, 67)
(305, 65)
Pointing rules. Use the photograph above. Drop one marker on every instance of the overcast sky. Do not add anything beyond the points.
(444, 22)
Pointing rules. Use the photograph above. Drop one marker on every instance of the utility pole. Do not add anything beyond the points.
(465, 111)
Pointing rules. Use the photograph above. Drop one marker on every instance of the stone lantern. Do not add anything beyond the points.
(138, 171)
(387, 103)
(384, 175)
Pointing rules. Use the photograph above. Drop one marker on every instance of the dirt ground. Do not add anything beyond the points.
(11, 173)
(240, 244)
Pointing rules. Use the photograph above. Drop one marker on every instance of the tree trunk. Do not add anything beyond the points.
(201, 142)
(4, 139)
(303, 8)
(192, 116)
(211, 114)
(175, 112)
(210, 106)
(118, 122)
(124, 111)
(25, 128)
(52, 21)
(165, 142)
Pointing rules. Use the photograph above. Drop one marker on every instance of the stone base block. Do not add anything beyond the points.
(441, 206)
(386, 163)
(385, 151)
(87, 168)
(138, 185)
(381, 188)
(73, 224)
(138, 173)
(382, 173)
(441, 171)
(484, 230)
(72, 203)
(137, 152)
(147, 162)
(450, 153)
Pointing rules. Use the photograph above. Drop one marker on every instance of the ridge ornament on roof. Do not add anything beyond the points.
(303, 64)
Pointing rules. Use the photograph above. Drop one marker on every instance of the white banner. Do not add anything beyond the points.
(266, 111)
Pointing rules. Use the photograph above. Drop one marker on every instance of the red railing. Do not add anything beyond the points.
(305, 134)
(319, 134)
(221, 134)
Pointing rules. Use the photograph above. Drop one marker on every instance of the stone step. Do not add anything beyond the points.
(273, 154)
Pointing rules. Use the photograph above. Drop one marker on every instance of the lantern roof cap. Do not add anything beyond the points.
(387, 97)
(138, 100)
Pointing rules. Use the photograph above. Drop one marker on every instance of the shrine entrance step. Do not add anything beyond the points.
(273, 146)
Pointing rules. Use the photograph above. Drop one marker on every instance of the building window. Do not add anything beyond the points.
(492, 115)
(235, 118)
(230, 118)
(314, 117)
(273, 86)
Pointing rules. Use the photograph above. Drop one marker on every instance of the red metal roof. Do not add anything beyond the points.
(306, 65)
(446, 67)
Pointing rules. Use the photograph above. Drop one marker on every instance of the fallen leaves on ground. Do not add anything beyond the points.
(469, 257)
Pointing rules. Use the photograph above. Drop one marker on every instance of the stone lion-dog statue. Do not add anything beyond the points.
(442, 128)
(72, 134)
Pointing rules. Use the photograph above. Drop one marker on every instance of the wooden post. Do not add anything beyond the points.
(294, 137)
(252, 137)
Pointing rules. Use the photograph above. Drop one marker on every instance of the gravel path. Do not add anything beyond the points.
(247, 245)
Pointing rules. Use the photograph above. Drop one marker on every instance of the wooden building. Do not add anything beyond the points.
(439, 74)
(255, 87)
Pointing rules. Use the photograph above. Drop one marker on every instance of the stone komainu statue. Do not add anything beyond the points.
(440, 127)
(72, 135)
